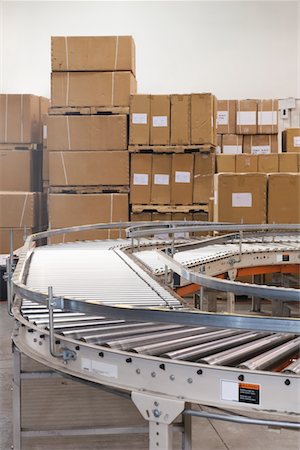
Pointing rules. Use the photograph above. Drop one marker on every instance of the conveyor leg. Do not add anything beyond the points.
(160, 413)
(256, 306)
(187, 430)
(211, 301)
(17, 445)
(230, 302)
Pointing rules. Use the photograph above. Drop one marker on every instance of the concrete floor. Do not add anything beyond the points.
(53, 403)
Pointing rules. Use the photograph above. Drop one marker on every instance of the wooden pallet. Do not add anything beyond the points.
(171, 148)
(87, 110)
(169, 208)
(21, 146)
(89, 189)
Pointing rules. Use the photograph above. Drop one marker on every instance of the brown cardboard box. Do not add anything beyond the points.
(139, 126)
(44, 106)
(226, 116)
(240, 198)
(267, 116)
(284, 198)
(182, 179)
(160, 120)
(203, 119)
(161, 179)
(92, 88)
(201, 216)
(89, 168)
(268, 163)
(219, 144)
(87, 133)
(291, 140)
(20, 119)
(260, 144)
(66, 210)
(180, 119)
(289, 162)
(20, 170)
(140, 178)
(161, 217)
(246, 117)
(232, 144)
(19, 209)
(141, 217)
(246, 163)
(98, 53)
(226, 163)
(204, 169)
(19, 235)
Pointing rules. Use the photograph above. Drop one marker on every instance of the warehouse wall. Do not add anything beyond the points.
(235, 49)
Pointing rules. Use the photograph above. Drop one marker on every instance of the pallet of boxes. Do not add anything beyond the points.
(254, 183)
(91, 82)
(22, 203)
(172, 156)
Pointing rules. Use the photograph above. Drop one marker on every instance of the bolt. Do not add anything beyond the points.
(40, 343)
(172, 377)
(162, 366)
(287, 382)
(241, 377)
(77, 347)
(153, 374)
(35, 340)
(138, 371)
(190, 380)
(156, 413)
(156, 403)
(129, 360)
(101, 354)
(199, 372)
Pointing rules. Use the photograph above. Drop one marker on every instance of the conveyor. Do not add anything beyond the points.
(106, 312)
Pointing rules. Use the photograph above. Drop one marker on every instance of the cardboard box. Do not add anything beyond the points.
(180, 119)
(289, 162)
(268, 163)
(20, 119)
(246, 163)
(67, 210)
(291, 140)
(267, 116)
(232, 144)
(203, 119)
(201, 216)
(160, 120)
(92, 88)
(284, 198)
(226, 116)
(225, 163)
(20, 170)
(87, 132)
(240, 198)
(161, 217)
(89, 168)
(260, 144)
(141, 217)
(19, 209)
(182, 179)
(44, 106)
(139, 126)
(19, 236)
(98, 53)
(219, 144)
(204, 169)
(246, 117)
(140, 178)
(161, 179)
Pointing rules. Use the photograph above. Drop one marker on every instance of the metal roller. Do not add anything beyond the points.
(109, 329)
(272, 357)
(233, 356)
(78, 325)
(293, 368)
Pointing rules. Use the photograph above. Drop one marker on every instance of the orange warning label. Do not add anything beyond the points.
(249, 393)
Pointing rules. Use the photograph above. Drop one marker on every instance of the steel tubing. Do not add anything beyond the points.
(293, 368)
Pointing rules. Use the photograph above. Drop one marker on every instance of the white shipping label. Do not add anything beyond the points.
(160, 178)
(232, 149)
(141, 179)
(139, 118)
(160, 121)
(296, 141)
(182, 177)
(99, 368)
(218, 149)
(242, 200)
(246, 118)
(229, 391)
(267, 118)
(260, 149)
(45, 131)
(222, 118)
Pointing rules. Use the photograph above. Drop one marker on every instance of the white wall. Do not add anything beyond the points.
(234, 49)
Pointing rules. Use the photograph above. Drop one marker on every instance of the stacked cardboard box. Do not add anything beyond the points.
(91, 83)
(21, 202)
(282, 162)
(291, 140)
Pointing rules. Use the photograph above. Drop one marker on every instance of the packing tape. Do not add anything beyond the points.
(23, 210)
(111, 212)
(6, 117)
(272, 126)
(22, 124)
(116, 52)
(68, 133)
(67, 53)
(228, 116)
(238, 111)
(68, 89)
(260, 126)
(112, 88)
(64, 167)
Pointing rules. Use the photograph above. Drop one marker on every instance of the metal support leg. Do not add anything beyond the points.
(211, 301)
(17, 442)
(230, 302)
(256, 306)
(186, 443)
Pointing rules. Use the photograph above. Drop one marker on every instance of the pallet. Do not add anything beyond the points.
(89, 189)
(171, 148)
(87, 110)
(169, 208)
(21, 146)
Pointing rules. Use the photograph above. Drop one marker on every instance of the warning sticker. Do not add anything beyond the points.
(249, 393)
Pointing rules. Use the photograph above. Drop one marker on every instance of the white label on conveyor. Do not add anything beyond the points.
(99, 368)
(229, 391)
(241, 200)
(139, 119)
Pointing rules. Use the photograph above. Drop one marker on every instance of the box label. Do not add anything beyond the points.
(218, 149)
(141, 179)
(296, 141)
(139, 118)
(242, 200)
(232, 149)
(45, 130)
(160, 121)
(182, 177)
(267, 117)
(260, 149)
(222, 118)
(160, 178)
(246, 118)
(99, 368)
(240, 392)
